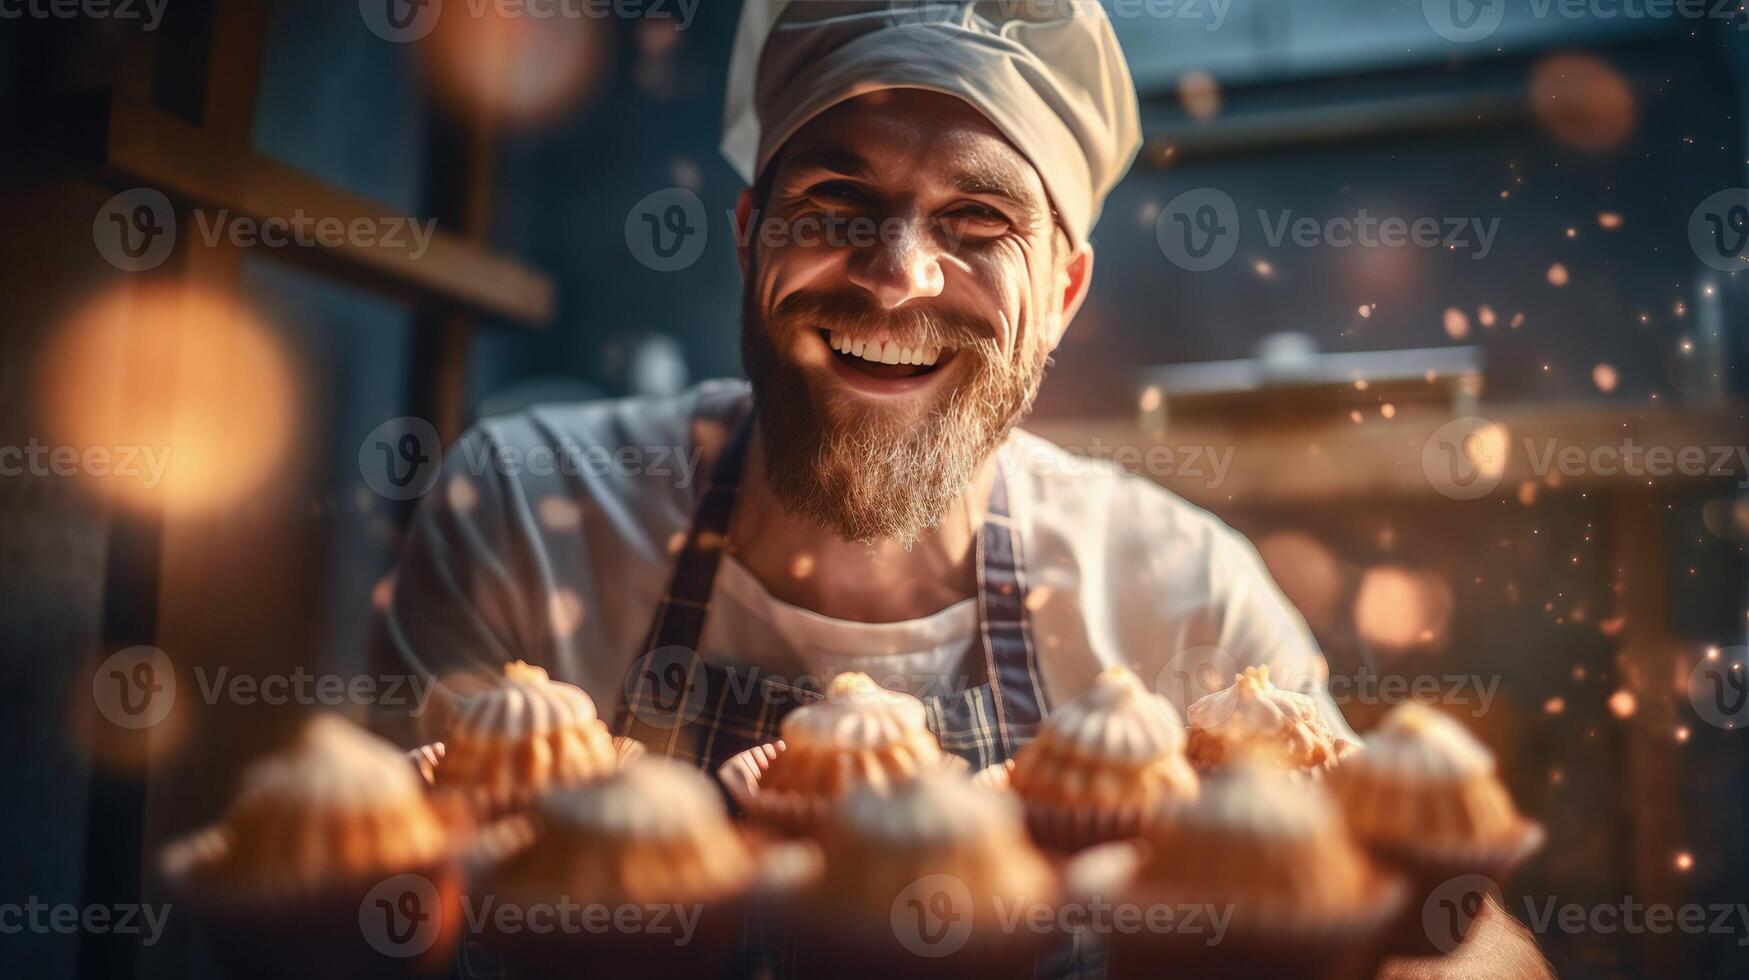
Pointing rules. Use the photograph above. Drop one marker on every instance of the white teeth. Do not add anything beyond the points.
(880, 352)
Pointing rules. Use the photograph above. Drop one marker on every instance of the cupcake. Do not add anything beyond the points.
(860, 735)
(934, 878)
(647, 858)
(1425, 796)
(1101, 762)
(1268, 853)
(1266, 723)
(520, 737)
(316, 837)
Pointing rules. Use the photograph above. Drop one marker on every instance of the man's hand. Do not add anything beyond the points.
(1498, 946)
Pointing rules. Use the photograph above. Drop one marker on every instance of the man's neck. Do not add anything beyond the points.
(806, 565)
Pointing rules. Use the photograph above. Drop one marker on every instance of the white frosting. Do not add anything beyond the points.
(1253, 705)
(856, 714)
(1118, 718)
(1258, 801)
(1421, 740)
(525, 702)
(935, 806)
(334, 762)
(650, 798)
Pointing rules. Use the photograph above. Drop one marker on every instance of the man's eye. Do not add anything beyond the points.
(978, 212)
(977, 220)
(838, 192)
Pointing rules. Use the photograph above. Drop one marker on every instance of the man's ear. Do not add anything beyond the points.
(743, 219)
(1073, 278)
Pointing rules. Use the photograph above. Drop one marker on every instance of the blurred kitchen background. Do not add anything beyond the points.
(1588, 139)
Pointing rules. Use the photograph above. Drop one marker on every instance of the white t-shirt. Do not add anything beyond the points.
(551, 534)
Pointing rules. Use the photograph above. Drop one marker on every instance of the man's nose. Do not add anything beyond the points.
(899, 268)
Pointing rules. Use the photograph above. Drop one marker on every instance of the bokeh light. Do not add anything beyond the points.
(507, 67)
(1310, 575)
(1582, 102)
(1398, 610)
(171, 373)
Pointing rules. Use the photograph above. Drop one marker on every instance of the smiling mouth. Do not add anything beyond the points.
(881, 358)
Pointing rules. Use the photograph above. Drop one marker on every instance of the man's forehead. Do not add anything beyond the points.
(874, 135)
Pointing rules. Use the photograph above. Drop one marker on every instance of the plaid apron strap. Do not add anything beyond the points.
(1010, 656)
(667, 688)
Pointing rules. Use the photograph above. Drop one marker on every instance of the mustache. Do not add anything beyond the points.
(856, 314)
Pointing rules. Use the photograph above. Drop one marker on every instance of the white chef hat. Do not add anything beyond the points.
(1047, 73)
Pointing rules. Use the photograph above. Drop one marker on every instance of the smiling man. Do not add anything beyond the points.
(923, 183)
(923, 180)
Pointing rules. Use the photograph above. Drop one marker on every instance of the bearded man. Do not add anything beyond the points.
(915, 243)
(923, 183)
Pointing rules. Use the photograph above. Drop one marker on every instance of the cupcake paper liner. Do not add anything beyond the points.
(783, 866)
(1443, 878)
(1317, 942)
(1065, 829)
(316, 926)
(486, 804)
(785, 813)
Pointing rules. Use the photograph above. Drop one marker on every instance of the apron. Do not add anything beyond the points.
(685, 709)
(680, 707)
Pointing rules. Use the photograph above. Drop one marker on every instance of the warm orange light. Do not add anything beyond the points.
(1604, 377)
(514, 68)
(1200, 94)
(1309, 573)
(1457, 323)
(173, 374)
(1623, 704)
(1399, 610)
(1582, 101)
